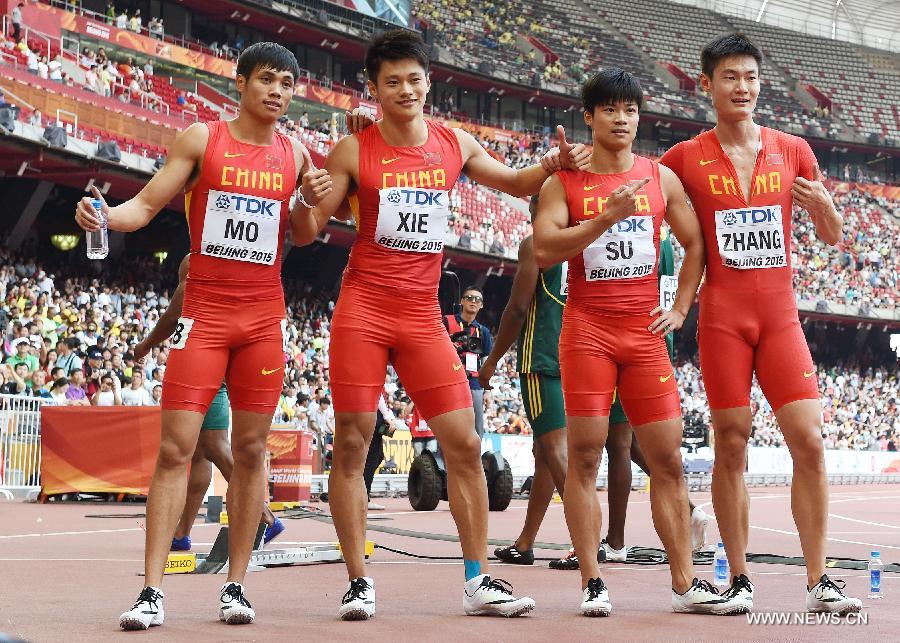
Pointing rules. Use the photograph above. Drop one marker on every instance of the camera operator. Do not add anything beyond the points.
(473, 341)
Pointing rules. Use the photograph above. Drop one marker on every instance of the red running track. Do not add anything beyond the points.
(65, 577)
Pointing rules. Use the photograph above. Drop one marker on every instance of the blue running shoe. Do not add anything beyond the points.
(181, 544)
(273, 530)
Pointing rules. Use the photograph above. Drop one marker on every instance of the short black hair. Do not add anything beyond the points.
(735, 44)
(267, 55)
(473, 287)
(612, 85)
(395, 44)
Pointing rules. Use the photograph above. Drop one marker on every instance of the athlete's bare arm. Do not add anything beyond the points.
(813, 197)
(555, 241)
(169, 319)
(181, 169)
(342, 168)
(686, 228)
(485, 169)
(513, 316)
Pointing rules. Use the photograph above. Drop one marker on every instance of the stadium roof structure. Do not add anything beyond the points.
(873, 23)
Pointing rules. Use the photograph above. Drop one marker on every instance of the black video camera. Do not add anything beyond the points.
(466, 343)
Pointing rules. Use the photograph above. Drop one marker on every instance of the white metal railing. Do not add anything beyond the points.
(20, 442)
(70, 124)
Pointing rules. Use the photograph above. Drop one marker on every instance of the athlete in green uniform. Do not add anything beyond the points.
(212, 445)
(534, 314)
(622, 449)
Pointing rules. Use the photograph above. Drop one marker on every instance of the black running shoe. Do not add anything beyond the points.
(512, 555)
(567, 562)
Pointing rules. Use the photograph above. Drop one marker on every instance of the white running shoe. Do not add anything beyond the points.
(374, 506)
(740, 591)
(611, 555)
(358, 603)
(699, 521)
(828, 596)
(147, 611)
(595, 599)
(702, 598)
(234, 608)
(486, 596)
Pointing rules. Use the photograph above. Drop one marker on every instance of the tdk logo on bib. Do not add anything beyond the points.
(416, 197)
(753, 217)
(246, 204)
(634, 224)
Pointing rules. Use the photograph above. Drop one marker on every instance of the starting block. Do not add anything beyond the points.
(283, 506)
(216, 561)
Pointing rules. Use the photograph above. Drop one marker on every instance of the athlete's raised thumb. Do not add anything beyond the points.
(564, 145)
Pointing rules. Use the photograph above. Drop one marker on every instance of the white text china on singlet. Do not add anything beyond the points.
(624, 251)
(412, 219)
(751, 237)
(241, 227)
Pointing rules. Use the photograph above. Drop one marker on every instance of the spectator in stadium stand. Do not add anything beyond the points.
(122, 20)
(136, 394)
(66, 357)
(43, 69)
(16, 19)
(59, 390)
(109, 392)
(55, 69)
(304, 120)
(32, 63)
(39, 385)
(76, 393)
(25, 355)
(155, 395)
(135, 23)
(12, 379)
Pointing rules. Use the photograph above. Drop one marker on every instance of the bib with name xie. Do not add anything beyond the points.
(624, 251)
(241, 227)
(412, 219)
(751, 238)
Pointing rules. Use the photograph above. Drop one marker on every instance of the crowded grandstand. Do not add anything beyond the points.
(76, 55)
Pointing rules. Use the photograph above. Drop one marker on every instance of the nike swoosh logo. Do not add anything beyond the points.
(229, 155)
(591, 187)
(266, 371)
(456, 367)
(389, 161)
(665, 379)
(808, 375)
(708, 162)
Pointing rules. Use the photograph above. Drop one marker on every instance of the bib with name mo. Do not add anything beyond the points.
(241, 227)
(412, 219)
(751, 238)
(624, 251)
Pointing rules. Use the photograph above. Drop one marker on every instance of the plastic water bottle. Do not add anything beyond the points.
(721, 566)
(98, 240)
(875, 567)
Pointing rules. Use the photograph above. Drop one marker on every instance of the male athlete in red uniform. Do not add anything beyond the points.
(605, 222)
(743, 181)
(401, 170)
(239, 176)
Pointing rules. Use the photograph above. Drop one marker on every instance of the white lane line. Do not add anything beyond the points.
(834, 540)
(82, 533)
(864, 522)
(72, 560)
